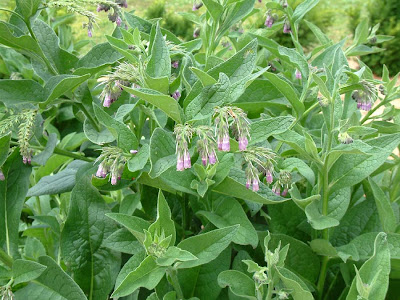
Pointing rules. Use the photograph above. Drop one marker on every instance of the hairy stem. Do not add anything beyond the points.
(175, 282)
(322, 276)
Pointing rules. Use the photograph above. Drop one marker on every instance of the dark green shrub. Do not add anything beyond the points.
(387, 13)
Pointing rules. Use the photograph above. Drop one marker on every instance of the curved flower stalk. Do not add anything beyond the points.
(258, 159)
(206, 145)
(235, 118)
(183, 135)
(366, 96)
(112, 161)
(282, 184)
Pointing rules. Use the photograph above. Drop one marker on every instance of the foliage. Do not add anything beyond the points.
(152, 167)
(387, 14)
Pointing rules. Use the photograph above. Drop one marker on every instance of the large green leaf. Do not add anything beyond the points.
(206, 247)
(302, 9)
(162, 152)
(159, 64)
(13, 92)
(28, 8)
(228, 212)
(374, 272)
(52, 284)
(26, 270)
(4, 148)
(93, 266)
(239, 284)
(261, 130)
(13, 191)
(148, 274)
(350, 169)
(134, 224)
(164, 102)
(298, 289)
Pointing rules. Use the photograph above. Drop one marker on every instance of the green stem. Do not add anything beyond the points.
(89, 116)
(5, 258)
(369, 113)
(270, 285)
(322, 276)
(175, 282)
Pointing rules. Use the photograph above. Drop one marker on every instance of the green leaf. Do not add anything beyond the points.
(164, 223)
(211, 96)
(139, 160)
(162, 152)
(13, 191)
(62, 182)
(134, 224)
(160, 63)
(13, 92)
(292, 163)
(350, 169)
(287, 90)
(206, 247)
(61, 84)
(201, 281)
(362, 31)
(323, 247)
(125, 137)
(322, 37)
(174, 254)
(235, 186)
(374, 272)
(97, 137)
(122, 241)
(133, 262)
(86, 225)
(228, 212)
(44, 156)
(385, 210)
(239, 284)
(204, 77)
(26, 270)
(299, 290)
(261, 130)
(148, 274)
(166, 103)
(302, 9)
(4, 146)
(28, 8)
(99, 57)
(214, 8)
(53, 283)
(317, 220)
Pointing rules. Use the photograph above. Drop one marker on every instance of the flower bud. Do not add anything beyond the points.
(345, 138)
(372, 40)
(113, 179)
(197, 5)
(286, 27)
(133, 151)
(284, 193)
(118, 21)
(2, 177)
(176, 95)
(324, 102)
(268, 177)
(297, 74)
(225, 143)
(382, 89)
(256, 185)
(196, 33)
(248, 183)
(277, 189)
(175, 64)
(269, 21)
(243, 142)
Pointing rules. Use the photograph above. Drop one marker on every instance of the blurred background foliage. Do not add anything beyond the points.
(338, 18)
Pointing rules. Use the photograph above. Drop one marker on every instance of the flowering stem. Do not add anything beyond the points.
(369, 113)
(322, 276)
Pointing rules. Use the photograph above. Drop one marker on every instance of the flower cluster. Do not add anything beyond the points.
(113, 161)
(366, 96)
(183, 135)
(115, 13)
(258, 159)
(113, 83)
(284, 3)
(283, 182)
(236, 119)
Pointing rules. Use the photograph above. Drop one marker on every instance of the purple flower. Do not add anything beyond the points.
(196, 33)
(259, 1)
(107, 100)
(248, 183)
(175, 64)
(113, 179)
(176, 95)
(186, 160)
(269, 177)
(179, 163)
(243, 142)
(27, 159)
(256, 185)
(269, 21)
(286, 27)
(133, 151)
(212, 159)
(2, 177)
(99, 171)
(204, 160)
(104, 7)
(225, 146)
(196, 6)
(89, 33)
(297, 74)
(118, 21)
(277, 190)
(284, 193)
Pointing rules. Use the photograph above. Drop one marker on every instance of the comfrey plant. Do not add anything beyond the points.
(224, 167)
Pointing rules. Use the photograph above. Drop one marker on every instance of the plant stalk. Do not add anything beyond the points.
(175, 282)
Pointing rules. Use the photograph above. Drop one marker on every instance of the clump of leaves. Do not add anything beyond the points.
(225, 167)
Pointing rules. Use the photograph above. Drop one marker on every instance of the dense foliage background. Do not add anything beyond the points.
(232, 150)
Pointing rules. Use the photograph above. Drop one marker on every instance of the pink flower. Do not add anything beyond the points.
(269, 177)
(297, 74)
(243, 142)
(248, 183)
(179, 163)
(113, 179)
(256, 186)
(186, 160)
(225, 143)
(2, 177)
(212, 159)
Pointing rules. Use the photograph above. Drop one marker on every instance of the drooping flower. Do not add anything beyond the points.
(284, 181)
(284, 3)
(112, 161)
(276, 189)
(197, 5)
(206, 144)
(103, 7)
(366, 96)
(2, 177)
(176, 95)
(297, 74)
(122, 3)
(175, 64)
(196, 33)
(269, 21)
(252, 177)
(118, 21)
(183, 135)
(286, 27)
